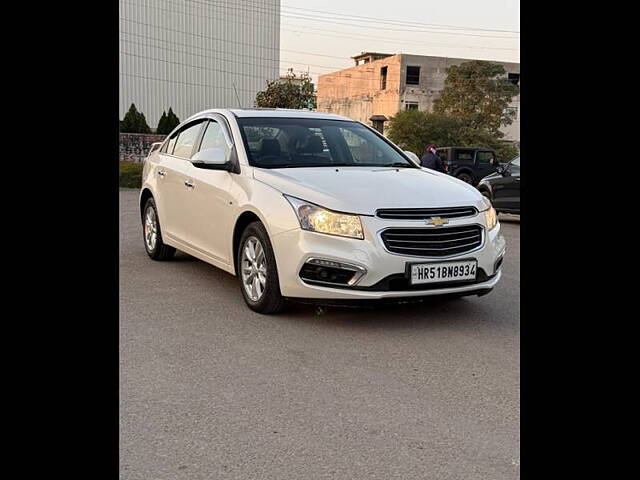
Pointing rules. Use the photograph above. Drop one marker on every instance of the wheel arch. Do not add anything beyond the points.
(145, 194)
(485, 188)
(243, 220)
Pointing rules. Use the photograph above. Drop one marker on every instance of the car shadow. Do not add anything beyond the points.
(428, 313)
(183, 257)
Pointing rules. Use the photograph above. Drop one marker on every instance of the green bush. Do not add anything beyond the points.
(131, 174)
(413, 130)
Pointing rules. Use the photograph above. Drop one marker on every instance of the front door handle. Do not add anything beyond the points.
(517, 179)
(189, 184)
(162, 173)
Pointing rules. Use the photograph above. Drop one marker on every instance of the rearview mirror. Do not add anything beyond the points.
(211, 159)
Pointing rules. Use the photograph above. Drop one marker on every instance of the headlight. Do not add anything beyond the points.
(486, 204)
(318, 219)
(491, 217)
(489, 213)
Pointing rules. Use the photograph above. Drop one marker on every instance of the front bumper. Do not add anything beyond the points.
(385, 276)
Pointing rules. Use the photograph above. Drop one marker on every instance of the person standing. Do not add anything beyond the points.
(431, 159)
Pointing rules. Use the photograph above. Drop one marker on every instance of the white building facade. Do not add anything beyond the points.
(191, 55)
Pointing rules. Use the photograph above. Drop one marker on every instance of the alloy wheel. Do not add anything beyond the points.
(150, 229)
(254, 268)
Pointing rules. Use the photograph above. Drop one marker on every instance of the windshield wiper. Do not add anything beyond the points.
(397, 164)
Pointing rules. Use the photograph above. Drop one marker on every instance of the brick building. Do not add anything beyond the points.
(383, 84)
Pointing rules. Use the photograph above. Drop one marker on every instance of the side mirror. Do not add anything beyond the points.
(211, 159)
(412, 156)
(500, 170)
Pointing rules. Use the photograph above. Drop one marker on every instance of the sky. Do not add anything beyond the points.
(323, 40)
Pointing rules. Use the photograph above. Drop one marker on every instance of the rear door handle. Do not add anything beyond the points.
(189, 183)
(162, 173)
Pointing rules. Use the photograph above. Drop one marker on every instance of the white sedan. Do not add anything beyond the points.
(312, 206)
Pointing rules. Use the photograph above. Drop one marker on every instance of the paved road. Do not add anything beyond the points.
(209, 389)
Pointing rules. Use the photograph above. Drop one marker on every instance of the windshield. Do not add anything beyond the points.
(310, 142)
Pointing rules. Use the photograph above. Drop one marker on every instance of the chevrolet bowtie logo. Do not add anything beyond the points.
(437, 221)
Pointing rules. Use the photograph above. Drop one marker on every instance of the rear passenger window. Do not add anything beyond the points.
(464, 156)
(186, 140)
(168, 147)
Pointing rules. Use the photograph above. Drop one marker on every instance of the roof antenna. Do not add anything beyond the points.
(237, 97)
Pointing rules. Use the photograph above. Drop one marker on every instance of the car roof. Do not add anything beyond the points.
(273, 113)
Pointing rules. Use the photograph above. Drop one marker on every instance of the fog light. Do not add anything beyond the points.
(331, 272)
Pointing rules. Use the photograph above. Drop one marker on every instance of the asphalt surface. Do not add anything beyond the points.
(210, 389)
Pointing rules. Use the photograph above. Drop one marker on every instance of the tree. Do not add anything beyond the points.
(413, 130)
(477, 93)
(134, 122)
(162, 123)
(172, 121)
(168, 121)
(290, 92)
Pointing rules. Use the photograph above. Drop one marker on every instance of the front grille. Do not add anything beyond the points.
(424, 213)
(432, 242)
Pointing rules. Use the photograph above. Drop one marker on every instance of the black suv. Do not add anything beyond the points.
(469, 164)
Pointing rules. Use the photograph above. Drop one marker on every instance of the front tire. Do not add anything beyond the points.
(258, 272)
(153, 244)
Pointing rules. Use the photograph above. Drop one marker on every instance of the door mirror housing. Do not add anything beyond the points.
(211, 159)
(501, 170)
(506, 171)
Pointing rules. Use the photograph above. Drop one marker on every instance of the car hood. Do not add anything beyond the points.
(363, 190)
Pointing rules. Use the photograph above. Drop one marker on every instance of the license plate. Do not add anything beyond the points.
(443, 272)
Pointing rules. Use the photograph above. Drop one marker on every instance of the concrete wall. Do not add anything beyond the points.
(188, 54)
(355, 92)
(134, 147)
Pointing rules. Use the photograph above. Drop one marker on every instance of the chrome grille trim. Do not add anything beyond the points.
(426, 213)
(432, 242)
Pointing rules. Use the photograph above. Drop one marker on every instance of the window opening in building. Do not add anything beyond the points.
(383, 78)
(413, 75)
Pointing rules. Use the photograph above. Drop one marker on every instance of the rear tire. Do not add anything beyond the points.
(465, 177)
(258, 272)
(152, 236)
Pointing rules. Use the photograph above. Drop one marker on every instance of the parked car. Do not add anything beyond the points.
(302, 205)
(503, 187)
(469, 164)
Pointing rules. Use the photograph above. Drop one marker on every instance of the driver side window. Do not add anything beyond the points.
(486, 158)
(186, 140)
(214, 138)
